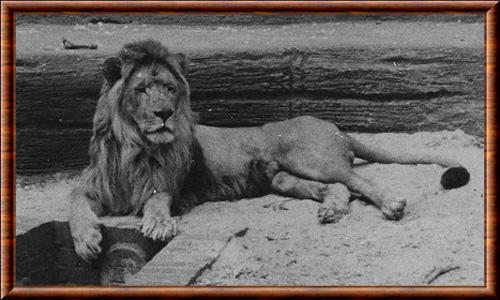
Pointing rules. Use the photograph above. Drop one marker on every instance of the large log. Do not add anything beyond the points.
(45, 255)
(359, 89)
(61, 91)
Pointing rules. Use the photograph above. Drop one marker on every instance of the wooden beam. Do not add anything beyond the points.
(368, 90)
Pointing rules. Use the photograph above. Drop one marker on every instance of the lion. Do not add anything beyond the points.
(149, 159)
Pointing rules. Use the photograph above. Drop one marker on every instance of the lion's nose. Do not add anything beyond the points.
(164, 114)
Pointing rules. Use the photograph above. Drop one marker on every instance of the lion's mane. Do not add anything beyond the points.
(125, 168)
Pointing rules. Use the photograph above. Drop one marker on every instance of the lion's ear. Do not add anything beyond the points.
(112, 70)
(182, 61)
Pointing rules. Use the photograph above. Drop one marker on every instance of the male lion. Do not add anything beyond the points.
(148, 158)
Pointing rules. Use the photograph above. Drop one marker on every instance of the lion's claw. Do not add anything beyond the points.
(394, 210)
(159, 227)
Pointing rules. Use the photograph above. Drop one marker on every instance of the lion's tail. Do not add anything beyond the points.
(455, 176)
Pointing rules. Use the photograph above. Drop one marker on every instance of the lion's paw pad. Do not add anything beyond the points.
(159, 228)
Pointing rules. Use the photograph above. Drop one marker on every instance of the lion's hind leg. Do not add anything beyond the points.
(335, 203)
(338, 169)
(287, 184)
(334, 197)
(391, 207)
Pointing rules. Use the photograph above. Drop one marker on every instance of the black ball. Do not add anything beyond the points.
(455, 177)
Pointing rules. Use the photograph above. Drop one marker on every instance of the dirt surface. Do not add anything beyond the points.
(247, 19)
(35, 39)
(285, 245)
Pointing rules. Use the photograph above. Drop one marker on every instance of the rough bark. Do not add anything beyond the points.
(367, 90)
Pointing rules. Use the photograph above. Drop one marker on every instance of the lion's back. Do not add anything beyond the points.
(301, 129)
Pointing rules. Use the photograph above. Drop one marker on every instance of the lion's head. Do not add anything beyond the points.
(150, 98)
(154, 92)
(143, 128)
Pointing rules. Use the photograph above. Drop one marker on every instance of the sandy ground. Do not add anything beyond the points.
(285, 245)
(46, 39)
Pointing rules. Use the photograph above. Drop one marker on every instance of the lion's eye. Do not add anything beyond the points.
(140, 89)
(171, 88)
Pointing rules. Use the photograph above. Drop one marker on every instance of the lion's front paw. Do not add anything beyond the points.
(158, 226)
(331, 213)
(394, 210)
(86, 236)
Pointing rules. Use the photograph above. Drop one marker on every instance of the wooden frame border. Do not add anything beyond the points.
(8, 154)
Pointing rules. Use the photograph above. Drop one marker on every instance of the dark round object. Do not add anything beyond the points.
(455, 177)
(122, 260)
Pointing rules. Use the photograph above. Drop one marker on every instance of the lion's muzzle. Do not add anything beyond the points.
(164, 114)
(161, 128)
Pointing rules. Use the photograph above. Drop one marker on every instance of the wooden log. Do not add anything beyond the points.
(386, 75)
(368, 90)
(51, 149)
(125, 252)
(45, 255)
(61, 91)
(186, 257)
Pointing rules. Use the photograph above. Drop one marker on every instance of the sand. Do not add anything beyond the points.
(47, 39)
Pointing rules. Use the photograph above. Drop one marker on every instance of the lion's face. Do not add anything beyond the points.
(151, 99)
